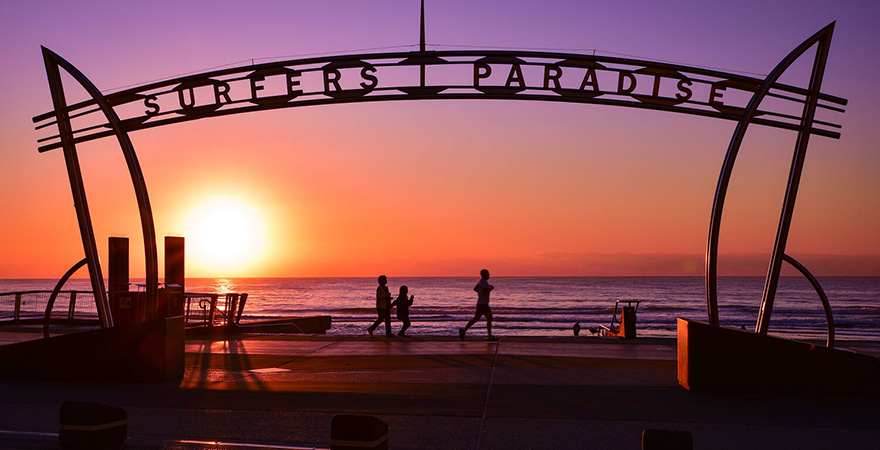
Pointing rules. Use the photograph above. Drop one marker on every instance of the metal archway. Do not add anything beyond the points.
(425, 75)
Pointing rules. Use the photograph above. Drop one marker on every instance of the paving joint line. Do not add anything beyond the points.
(482, 430)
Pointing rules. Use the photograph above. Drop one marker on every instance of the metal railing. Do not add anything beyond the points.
(205, 309)
(202, 309)
(30, 306)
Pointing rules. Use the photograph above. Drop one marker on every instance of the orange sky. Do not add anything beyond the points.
(444, 187)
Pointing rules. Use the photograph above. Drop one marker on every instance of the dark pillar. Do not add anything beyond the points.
(628, 322)
(118, 271)
(175, 276)
(174, 261)
(118, 279)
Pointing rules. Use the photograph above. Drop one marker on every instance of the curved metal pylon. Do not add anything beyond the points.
(47, 316)
(53, 62)
(826, 306)
(822, 40)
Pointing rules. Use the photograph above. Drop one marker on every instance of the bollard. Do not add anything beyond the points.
(358, 432)
(93, 426)
(667, 440)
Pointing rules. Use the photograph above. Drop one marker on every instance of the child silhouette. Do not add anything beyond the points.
(403, 305)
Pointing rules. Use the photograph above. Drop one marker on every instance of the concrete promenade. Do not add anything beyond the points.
(440, 393)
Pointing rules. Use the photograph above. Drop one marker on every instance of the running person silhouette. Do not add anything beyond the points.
(482, 289)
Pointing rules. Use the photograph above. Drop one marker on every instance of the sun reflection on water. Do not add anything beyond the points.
(224, 286)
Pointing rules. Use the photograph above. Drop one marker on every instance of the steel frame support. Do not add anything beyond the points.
(47, 316)
(80, 203)
(53, 62)
(794, 179)
(823, 39)
(829, 317)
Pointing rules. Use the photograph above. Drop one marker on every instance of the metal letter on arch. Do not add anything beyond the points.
(359, 78)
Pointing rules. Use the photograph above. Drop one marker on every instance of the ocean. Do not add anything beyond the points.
(550, 306)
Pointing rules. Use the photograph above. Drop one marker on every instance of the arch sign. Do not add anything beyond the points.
(424, 75)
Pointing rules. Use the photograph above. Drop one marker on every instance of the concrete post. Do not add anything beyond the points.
(175, 276)
(118, 278)
(71, 306)
(175, 263)
(117, 273)
(16, 315)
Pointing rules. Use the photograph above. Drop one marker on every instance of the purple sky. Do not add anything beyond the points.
(666, 165)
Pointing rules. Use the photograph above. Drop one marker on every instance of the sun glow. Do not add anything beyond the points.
(225, 236)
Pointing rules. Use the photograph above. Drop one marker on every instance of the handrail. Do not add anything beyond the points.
(197, 307)
(55, 292)
(227, 316)
(827, 306)
(241, 302)
(39, 291)
(38, 298)
(614, 316)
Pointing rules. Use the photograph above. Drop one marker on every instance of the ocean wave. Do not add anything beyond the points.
(551, 305)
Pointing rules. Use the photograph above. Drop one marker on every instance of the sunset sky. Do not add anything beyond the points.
(442, 187)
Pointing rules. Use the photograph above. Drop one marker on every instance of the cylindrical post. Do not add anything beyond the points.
(231, 303)
(214, 300)
(118, 275)
(16, 314)
(175, 264)
(118, 270)
(422, 46)
(71, 306)
(175, 275)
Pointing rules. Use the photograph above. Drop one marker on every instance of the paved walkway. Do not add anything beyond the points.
(440, 393)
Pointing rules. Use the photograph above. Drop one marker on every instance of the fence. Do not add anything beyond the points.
(210, 310)
(200, 309)
(31, 306)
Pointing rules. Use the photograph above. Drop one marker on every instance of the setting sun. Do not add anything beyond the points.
(224, 235)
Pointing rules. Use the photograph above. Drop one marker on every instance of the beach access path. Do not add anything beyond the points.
(440, 393)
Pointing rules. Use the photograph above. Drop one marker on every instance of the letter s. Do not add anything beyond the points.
(367, 74)
(686, 92)
(150, 102)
